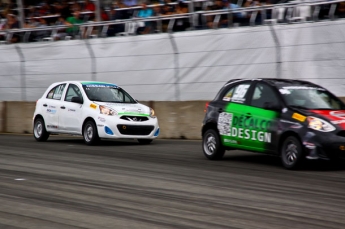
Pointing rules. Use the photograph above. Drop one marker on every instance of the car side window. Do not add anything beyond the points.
(73, 91)
(237, 93)
(263, 96)
(56, 92)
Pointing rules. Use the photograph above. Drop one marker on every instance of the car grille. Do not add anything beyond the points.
(134, 118)
(341, 133)
(134, 130)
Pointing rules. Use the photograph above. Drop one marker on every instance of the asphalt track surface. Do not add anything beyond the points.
(65, 184)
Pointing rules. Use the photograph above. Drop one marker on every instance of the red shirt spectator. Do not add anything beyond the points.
(89, 6)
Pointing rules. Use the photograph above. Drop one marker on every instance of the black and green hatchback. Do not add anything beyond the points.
(292, 119)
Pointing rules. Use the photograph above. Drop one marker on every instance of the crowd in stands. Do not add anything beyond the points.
(40, 14)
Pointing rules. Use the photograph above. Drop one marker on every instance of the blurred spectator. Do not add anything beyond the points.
(12, 23)
(65, 10)
(183, 23)
(341, 10)
(89, 6)
(130, 3)
(39, 35)
(61, 33)
(145, 27)
(118, 28)
(104, 15)
(73, 22)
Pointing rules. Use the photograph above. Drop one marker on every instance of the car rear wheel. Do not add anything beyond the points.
(212, 146)
(291, 153)
(90, 133)
(40, 132)
(144, 141)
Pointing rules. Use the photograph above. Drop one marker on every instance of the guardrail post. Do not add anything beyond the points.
(278, 51)
(177, 67)
(22, 72)
(93, 60)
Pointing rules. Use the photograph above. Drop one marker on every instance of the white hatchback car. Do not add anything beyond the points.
(94, 110)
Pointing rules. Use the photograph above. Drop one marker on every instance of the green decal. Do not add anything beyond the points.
(133, 113)
(246, 127)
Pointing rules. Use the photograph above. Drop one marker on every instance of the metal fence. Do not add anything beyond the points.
(306, 11)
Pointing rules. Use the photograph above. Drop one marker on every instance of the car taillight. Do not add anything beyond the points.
(206, 106)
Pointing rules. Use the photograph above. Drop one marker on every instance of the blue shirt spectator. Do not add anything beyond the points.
(145, 12)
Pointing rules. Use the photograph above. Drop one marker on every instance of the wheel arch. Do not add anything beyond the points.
(284, 136)
(85, 121)
(207, 126)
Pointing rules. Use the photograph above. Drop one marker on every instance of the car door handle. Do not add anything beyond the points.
(220, 110)
(45, 105)
(248, 115)
(63, 107)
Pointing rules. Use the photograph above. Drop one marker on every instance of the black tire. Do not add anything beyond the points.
(144, 141)
(90, 133)
(292, 153)
(39, 130)
(212, 146)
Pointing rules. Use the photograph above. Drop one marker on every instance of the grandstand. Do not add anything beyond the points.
(33, 21)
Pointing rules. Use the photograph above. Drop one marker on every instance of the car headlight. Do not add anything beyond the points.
(107, 111)
(319, 124)
(152, 113)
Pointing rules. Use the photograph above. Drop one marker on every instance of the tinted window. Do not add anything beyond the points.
(310, 97)
(263, 96)
(107, 93)
(237, 93)
(73, 91)
(56, 92)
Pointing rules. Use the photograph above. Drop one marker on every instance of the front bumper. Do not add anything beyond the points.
(115, 127)
(326, 146)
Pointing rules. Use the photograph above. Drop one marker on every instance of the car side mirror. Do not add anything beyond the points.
(137, 100)
(272, 106)
(77, 99)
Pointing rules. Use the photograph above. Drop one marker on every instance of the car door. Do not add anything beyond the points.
(263, 113)
(51, 107)
(232, 111)
(71, 111)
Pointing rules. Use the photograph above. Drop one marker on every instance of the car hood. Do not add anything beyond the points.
(134, 109)
(336, 117)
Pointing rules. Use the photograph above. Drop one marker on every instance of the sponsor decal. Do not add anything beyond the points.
(93, 106)
(101, 119)
(231, 141)
(101, 85)
(243, 127)
(100, 125)
(72, 110)
(52, 107)
(51, 111)
(226, 98)
(299, 117)
(338, 114)
(52, 126)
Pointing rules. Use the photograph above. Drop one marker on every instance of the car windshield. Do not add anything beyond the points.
(311, 98)
(107, 93)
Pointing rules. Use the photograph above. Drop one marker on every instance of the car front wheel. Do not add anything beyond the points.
(212, 146)
(40, 132)
(90, 133)
(291, 153)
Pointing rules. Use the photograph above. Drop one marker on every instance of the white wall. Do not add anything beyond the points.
(145, 65)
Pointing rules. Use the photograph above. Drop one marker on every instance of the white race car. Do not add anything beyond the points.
(94, 110)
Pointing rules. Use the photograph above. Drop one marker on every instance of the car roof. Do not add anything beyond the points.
(277, 82)
(88, 83)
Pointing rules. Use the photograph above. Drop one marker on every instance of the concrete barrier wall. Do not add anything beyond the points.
(176, 119)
